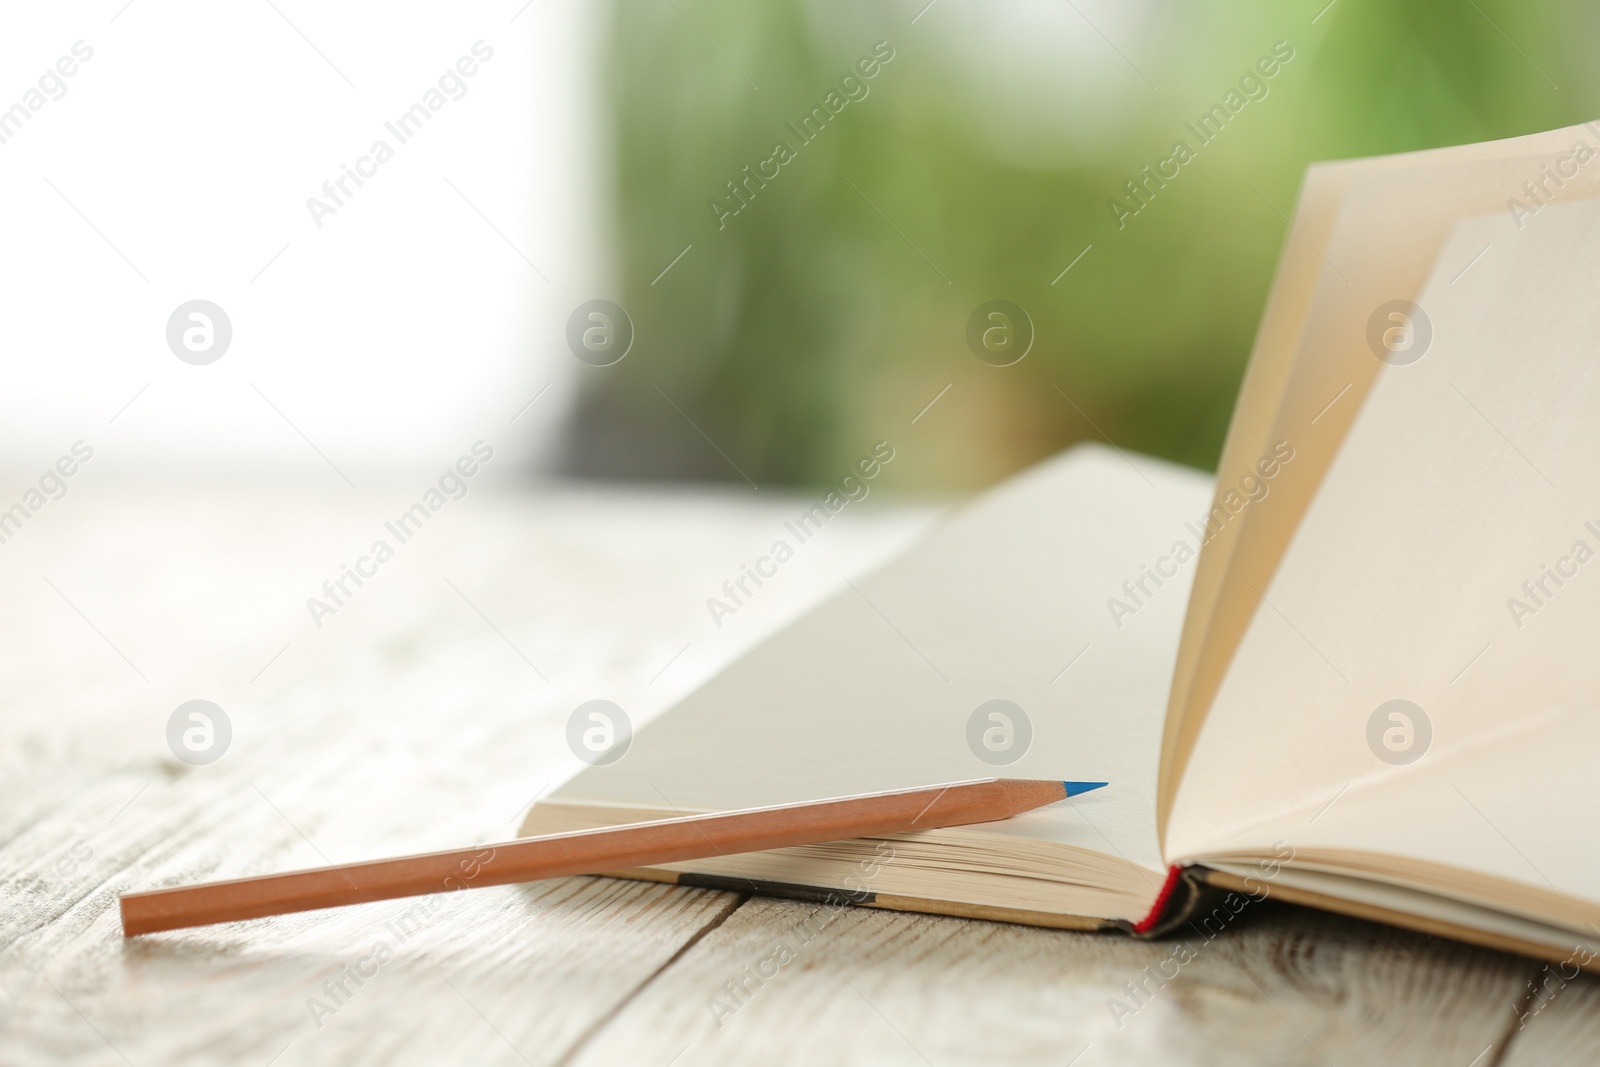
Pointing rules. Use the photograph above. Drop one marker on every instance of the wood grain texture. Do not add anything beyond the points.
(1283, 986)
(1557, 1018)
(430, 710)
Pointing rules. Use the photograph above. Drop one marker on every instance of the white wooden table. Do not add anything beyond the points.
(429, 711)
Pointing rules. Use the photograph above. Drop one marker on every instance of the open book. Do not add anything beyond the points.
(1358, 670)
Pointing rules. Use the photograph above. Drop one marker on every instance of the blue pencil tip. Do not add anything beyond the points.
(1076, 788)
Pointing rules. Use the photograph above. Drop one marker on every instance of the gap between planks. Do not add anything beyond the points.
(584, 1039)
(1519, 1011)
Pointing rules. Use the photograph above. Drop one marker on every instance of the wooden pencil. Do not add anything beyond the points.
(591, 852)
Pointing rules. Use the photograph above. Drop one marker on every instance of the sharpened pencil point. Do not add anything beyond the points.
(1076, 788)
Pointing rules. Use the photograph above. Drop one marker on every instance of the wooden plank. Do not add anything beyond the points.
(1282, 986)
(416, 717)
(377, 984)
(1557, 1018)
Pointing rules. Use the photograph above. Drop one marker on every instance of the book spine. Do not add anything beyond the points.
(1185, 894)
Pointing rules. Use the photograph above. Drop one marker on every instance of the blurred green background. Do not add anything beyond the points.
(980, 163)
